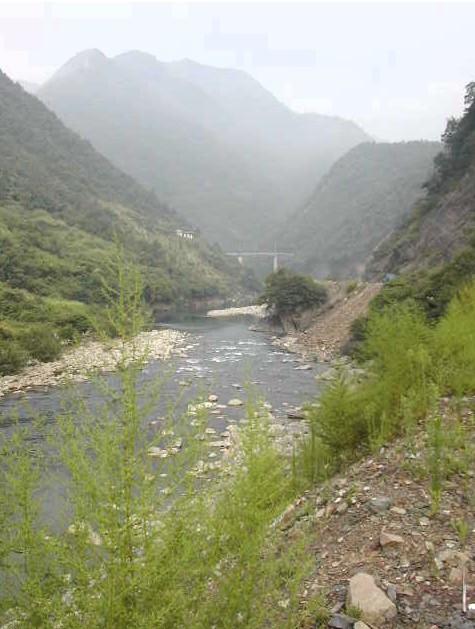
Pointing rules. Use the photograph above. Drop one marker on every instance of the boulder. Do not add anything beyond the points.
(212, 398)
(376, 608)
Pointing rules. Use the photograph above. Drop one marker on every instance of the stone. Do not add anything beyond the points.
(212, 398)
(379, 504)
(295, 415)
(235, 402)
(303, 368)
(390, 539)
(342, 507)
(398, 510)
(376, 608)
(341, 621)
(456, 576)
(359, 624)
(424, 521)
(391, 591)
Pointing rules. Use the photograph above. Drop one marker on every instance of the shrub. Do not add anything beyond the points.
(41, 342)
(288, 293)
(12, 356)
(454, 344)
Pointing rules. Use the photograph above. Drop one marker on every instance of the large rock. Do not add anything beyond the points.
(376, 607)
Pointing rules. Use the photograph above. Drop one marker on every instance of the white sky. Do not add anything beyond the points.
(398, 69)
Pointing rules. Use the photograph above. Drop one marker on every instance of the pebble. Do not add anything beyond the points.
(390, 539)
(235, 402)
(379, 504)
(398, 510)
(341, 621)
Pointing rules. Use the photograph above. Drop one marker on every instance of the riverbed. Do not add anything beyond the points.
(220, 357)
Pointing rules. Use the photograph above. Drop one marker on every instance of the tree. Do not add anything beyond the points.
(288, 293)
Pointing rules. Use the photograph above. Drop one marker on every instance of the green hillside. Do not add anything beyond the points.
(62, 209)
(363, 197)
(433, 251)
(441, 223)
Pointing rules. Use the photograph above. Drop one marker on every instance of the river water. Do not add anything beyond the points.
(222, 358)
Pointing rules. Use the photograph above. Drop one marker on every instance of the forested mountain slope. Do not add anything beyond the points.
(63, 206)
(441, 224)
(364, 196)
(212, 142)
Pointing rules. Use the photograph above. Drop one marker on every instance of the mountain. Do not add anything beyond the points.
(30, 87)
(359, 202)
(63, 206)
(212, 142)
(442, 223)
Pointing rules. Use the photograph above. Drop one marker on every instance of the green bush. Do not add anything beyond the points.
(41, 342)
(287, 293)
(12, 356)
(454, 344)
(409, 363)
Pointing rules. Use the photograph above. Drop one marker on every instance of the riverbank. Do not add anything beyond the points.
(257, 311)
(330, 329)
(77, 364)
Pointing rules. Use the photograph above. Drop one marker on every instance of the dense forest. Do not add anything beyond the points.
(364, 196)
(213, 142)
(63, 208)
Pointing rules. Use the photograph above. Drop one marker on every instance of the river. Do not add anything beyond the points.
(222, 357)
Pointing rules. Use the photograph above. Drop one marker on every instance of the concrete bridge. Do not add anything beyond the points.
(273, 254)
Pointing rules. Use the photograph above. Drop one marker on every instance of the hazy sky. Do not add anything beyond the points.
(398, 69)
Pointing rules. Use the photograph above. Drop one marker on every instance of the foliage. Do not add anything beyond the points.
(410, 363)
(144, 541)
(287, 293)
(440, 227)
(63, 207)
(12, 356)
(459, 147)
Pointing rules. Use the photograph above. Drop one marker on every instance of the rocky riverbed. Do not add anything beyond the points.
(77, 364)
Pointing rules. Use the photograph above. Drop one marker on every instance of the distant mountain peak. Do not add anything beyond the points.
(84, 60)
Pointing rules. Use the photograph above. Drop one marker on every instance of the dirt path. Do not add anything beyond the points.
(330, 330)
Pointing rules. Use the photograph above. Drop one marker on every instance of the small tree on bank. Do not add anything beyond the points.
(287, 293)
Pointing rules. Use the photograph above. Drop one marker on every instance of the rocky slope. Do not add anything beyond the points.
(366, 194)
(323, 335)
(210, 141)
(440, 225)
(380, 546)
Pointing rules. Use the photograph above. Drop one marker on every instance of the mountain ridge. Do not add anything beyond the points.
(361, 199)
(210, 141)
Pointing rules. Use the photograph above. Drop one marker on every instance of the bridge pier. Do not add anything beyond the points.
(275, 263)
(240, 260)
